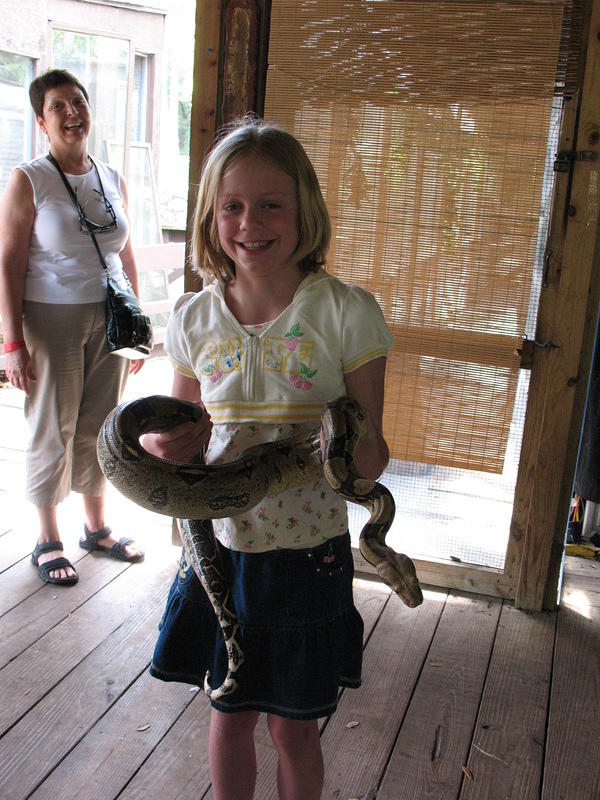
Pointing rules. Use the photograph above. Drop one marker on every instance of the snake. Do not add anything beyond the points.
(197, 493)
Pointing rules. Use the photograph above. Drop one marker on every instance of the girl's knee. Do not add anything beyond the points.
(293, 734)
(239, 724)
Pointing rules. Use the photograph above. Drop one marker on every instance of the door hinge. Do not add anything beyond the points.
(527, 349)
(564, 158)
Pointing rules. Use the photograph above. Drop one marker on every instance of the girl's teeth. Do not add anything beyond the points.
(254, 245)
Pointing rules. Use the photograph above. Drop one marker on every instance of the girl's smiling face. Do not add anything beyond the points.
(257, 217)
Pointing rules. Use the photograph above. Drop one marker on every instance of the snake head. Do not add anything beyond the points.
(399, 573)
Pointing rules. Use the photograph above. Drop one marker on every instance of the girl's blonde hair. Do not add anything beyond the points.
(254, 136)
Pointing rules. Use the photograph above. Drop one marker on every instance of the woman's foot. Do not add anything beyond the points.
(103, 540)
(52, 566)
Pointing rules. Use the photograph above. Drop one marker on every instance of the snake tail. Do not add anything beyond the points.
(199, 543)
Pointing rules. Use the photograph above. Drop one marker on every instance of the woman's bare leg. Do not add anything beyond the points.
(93, 509)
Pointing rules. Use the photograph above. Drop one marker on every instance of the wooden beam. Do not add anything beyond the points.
(534, 416)
(450, 575)
(204, 121)
(557, 371)
(240, 58)
(230, 58)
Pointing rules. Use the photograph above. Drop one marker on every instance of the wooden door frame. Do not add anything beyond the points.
(230, 63)
(567, 320)
(229, 79)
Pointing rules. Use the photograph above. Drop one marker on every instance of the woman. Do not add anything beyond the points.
(52, 293)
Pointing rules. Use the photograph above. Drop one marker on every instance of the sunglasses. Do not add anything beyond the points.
(87, 225)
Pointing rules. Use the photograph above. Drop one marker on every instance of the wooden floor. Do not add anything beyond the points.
(463, 697)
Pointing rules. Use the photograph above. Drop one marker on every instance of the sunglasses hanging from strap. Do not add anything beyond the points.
(87, 225)
(128, 329)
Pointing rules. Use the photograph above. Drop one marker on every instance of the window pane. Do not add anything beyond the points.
(101, 63)
(16, 73)
(140, 95)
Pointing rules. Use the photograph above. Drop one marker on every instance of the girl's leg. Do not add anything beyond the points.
(232, 756)
(300, 771)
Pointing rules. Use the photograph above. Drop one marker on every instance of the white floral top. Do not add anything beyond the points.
(266, 382)
(303, 517)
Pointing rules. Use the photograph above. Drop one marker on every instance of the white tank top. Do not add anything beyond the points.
(63, 264)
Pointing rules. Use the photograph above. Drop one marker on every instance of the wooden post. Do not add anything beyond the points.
(204, 120)
(241, 32)
(230, 58)
(541, 506)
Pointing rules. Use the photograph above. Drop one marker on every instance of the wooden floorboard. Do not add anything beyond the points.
(463, 698)
(392, 666)
(507, 751)
(443, 709)
(572, 768)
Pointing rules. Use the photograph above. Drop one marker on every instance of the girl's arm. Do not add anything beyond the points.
(185, 442)
(17, 214)
(366, 386)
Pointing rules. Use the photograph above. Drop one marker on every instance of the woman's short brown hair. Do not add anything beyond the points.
(50, 80)
(254, 136)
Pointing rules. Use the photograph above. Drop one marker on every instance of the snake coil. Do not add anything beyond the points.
(197, 493)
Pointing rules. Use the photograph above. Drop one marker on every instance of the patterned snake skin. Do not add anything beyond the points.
(197, 493)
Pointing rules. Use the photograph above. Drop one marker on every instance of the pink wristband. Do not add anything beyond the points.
(10, 346)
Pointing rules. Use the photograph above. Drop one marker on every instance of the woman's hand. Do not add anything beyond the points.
(19, 369)
(135, 365)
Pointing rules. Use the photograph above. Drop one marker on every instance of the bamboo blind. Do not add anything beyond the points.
(428, 125)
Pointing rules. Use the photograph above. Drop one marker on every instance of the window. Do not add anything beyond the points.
(16, 117)
(102, 64)
(139, 104)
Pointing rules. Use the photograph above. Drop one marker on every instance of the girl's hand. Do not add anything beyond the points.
(183, 443)
(186, 442)
(19, 369)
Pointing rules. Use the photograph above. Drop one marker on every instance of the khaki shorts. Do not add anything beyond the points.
(78, 383)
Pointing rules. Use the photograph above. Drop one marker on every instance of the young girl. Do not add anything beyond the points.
(264, 347)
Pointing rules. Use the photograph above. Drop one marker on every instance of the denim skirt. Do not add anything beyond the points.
(300, 634)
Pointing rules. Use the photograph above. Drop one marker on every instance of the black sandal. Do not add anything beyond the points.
(61, 562)
(89, 542)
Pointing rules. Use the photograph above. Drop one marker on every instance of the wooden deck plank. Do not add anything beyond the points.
(178, 768)
(42, 738)
(507, 752)
(49, 606)
(393, 661)
(572, 764)
(27, 678)
(13, 551)
(109, 756)
(435, 736)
